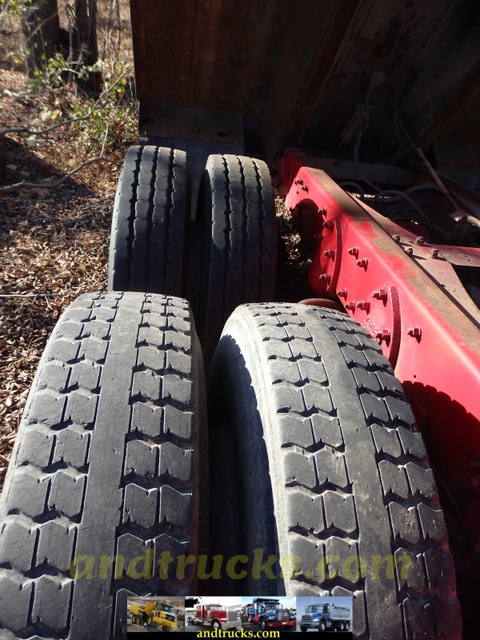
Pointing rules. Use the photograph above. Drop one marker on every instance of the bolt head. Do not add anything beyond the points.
(415, 332)
(382, 336)
(380, 294)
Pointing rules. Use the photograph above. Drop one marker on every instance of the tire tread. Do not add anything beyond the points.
(55, 473)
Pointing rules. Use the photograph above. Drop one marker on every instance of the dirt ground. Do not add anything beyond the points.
(53, 241)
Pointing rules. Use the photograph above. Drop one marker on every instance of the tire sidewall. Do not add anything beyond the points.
(239, 408)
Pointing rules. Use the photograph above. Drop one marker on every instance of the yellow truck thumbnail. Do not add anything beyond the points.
(154, 614)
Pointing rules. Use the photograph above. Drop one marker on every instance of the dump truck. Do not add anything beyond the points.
(299, 222)
(323, 616)
(154, 614)
(270, 613)
(248, 612)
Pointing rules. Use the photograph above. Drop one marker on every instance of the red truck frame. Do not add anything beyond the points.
(406, 293)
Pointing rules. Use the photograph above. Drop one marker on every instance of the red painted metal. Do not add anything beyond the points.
(407, 295)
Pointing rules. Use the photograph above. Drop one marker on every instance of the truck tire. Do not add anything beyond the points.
(263, 624)
(107, 473)
(330, 463)
(303, 629)
(216, 624)
(237, 210)
(321, 625)
(149, 225)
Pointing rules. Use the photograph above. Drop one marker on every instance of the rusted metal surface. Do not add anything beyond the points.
(301, 70)
(212, 55)
(432, 343)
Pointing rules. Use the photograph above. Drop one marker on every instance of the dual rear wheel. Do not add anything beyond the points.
(225, 257)
(319, 483)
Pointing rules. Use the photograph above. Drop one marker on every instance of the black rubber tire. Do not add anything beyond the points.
(322, 626)
(263, 624)
(149, 225)
(216, 625)
(109, 462)
(237, 211)
(322, 433)
(303, 629)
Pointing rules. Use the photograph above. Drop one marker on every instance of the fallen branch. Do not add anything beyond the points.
(41, 132)
(46, 184)
(31, 295)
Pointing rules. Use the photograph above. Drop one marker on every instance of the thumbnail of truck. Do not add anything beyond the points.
(217, 616)
(154, 614)
(270, 614)
(248, 612)
(324, 616)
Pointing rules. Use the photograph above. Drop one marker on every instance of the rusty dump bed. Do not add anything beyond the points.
(311, 72)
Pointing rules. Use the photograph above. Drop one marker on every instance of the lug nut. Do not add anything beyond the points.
(415, 332)
(328, 224)
(364, 305)
(329, 253)
(325, 277)
(382, 336)
(350, 305)
(342, 293)
(363, 262)
(380, 294)
(354, 251)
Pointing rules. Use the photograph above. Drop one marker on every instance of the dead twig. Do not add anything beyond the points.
(51, 185)
(64, 123)
(46, 184)
(31, 295)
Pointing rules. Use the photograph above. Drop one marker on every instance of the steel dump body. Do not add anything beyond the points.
(296, 71)
(302, 84)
